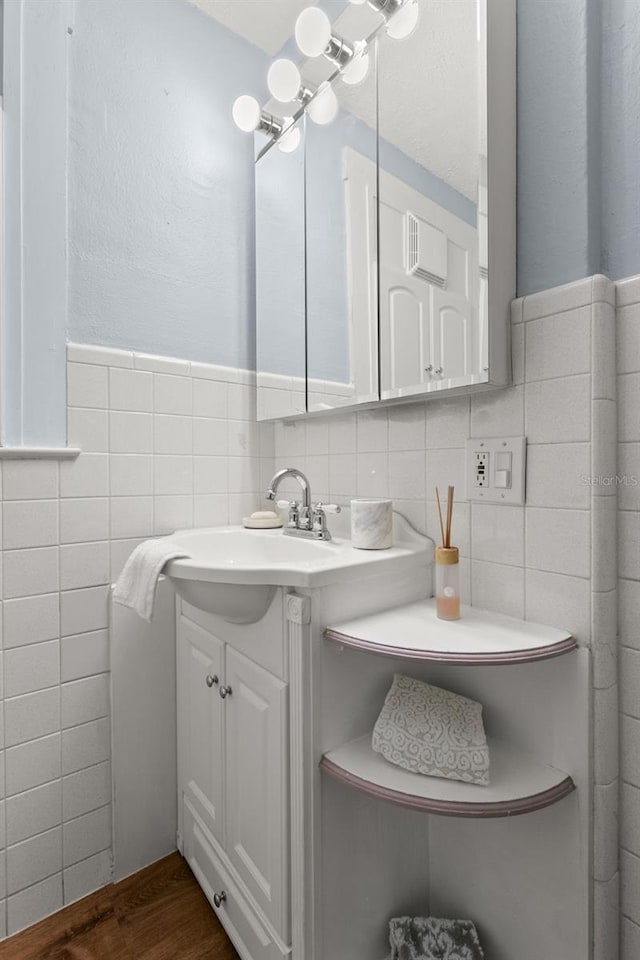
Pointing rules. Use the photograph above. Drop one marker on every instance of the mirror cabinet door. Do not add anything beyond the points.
(341, 217)
(280, 282)
(374, 236)
(430, 149)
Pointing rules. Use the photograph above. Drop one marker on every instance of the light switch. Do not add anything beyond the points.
(502, 475)
(496, 469)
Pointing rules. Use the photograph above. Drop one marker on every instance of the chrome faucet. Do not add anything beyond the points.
(305, 519)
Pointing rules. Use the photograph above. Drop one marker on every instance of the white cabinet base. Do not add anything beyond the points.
(250, 938)
(314, 869)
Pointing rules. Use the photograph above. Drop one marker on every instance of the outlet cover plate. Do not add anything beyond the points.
(490, 461)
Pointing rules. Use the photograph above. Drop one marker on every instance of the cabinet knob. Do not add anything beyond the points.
(438, 370)
(219, 898)
(225, 692)
(429, 369)
(211, 680)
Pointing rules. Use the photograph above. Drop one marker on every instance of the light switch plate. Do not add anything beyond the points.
(495, 469)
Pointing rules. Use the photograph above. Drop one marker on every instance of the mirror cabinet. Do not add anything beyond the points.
(385, 240)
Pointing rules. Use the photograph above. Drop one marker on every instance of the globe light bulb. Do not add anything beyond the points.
(324, 106)
(313, 31)
(246, 113)
(290, 139)
(358, 67)
(403, 23)
(284, 80)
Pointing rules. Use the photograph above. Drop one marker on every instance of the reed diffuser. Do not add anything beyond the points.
(447, 567)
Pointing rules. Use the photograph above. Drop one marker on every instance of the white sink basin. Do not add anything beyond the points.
(234, 572)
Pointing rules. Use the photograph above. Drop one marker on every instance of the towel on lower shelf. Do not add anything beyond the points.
(136, 585)
(428, 938)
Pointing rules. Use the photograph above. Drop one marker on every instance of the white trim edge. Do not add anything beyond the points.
(39, 453)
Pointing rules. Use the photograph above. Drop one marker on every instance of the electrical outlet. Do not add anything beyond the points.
(481, 478)
(495, 469)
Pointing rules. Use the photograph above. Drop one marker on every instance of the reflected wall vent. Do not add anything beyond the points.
(425, 251)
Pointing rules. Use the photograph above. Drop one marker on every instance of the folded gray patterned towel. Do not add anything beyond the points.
(428, 938)
(432, 731)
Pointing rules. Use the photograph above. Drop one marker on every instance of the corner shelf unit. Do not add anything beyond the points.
(520, 783)
(413, 632)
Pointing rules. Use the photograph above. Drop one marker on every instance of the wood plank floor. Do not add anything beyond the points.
(159, 913)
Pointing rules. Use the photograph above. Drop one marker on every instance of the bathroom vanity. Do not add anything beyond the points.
(305, 841)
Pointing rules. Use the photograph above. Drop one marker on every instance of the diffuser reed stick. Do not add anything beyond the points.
(440, 515)
(447, 566)
(446, 530)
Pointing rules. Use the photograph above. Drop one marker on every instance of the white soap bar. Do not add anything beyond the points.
(262, 520)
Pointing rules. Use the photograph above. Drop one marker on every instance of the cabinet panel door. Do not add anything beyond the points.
(405, 313)
(428, 297)
(257, 785)
(201, 718)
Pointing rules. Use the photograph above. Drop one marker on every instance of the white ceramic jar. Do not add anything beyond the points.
(371, 524)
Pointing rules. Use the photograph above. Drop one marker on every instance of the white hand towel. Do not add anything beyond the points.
(136, 586)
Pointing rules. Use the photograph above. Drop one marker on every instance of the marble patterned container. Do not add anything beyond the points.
(371, 524)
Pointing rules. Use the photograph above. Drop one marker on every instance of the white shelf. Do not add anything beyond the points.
(413, 632)
(519, 783)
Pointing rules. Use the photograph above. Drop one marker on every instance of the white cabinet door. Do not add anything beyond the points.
(405, 313)
(428, 293)
(201, 724)
(257, 785)
(453, 334)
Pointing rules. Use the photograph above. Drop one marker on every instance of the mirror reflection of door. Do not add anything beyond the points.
(341, 237)
(433, 265)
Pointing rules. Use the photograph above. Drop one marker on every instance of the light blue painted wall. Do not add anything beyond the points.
(553, 144)
(35, 41)
(161, 196)
(578, 140)
(160, 184)
(621, 138)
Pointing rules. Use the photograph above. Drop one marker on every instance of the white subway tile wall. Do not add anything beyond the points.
(158, 453)
(536, 561)
(169, 444)
(628, 490)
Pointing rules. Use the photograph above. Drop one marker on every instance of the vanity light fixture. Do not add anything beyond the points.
(284, 80)
(324, 106)
(290, 139)
(403, 23)
(401, 16)
(358, 67)
(248, 116)
(315, 38)
(285, 83)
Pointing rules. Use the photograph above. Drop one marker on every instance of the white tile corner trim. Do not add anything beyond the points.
(628, 502)
(167, 443)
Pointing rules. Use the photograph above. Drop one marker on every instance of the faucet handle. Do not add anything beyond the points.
(330, 507)
(294, 511)
(319, 518)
